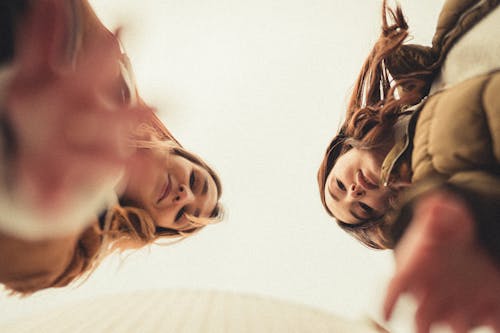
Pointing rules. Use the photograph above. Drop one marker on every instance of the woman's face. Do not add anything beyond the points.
(168, 185)
(352, 191)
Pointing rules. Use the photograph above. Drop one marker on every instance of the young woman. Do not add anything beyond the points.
(396, 132)
(416, 164)
(87, 167)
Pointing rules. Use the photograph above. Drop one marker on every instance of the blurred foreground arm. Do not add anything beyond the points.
(440, 262)
(68, 130)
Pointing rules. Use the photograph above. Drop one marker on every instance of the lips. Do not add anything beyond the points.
(365, 182)
(165, 190)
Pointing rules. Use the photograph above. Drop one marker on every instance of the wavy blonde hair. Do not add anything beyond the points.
(127, 226)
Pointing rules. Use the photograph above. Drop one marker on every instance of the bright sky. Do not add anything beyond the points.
(258, 89)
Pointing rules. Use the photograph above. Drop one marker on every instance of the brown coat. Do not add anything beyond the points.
(29, 266)
(456, 140)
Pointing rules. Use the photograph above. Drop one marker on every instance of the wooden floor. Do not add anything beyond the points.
(186, 311)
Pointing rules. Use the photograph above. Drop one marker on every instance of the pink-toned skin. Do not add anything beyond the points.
(440, 263)
(71, 134)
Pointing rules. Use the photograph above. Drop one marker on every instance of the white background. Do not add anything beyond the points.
(258, 89)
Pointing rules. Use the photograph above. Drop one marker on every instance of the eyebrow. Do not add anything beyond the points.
(215, 211)
(205, 187)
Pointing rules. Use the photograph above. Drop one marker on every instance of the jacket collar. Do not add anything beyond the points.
(396, 165)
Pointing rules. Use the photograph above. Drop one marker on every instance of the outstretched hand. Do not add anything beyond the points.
(70, 125)
(440, 263)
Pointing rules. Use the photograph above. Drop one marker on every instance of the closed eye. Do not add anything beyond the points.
(341, 185)
(179, 214)
(366, 209)
(192, 180)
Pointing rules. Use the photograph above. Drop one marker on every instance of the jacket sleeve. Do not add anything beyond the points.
(30, 266)
(491, 107)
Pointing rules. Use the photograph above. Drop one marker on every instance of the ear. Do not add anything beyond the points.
(43, 37)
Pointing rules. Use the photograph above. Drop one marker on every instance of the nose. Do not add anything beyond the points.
(357, 191)
(183, 195)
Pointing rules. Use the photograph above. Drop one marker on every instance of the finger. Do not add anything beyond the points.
(41, 39)
(490, 318)
(102, 132)
(459, 322)
(430, 309)
(409, 277)
(90, 172)
(495, 325)
(101, 61)
(397, 286)
(49, 187)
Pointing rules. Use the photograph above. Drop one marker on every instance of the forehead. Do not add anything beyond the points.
(350, 156)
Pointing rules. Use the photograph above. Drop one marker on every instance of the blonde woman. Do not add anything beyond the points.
(87, 167)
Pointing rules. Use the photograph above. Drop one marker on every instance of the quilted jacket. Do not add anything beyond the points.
(453, 137)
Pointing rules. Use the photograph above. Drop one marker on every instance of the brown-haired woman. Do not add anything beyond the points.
(89, 167)
(420, 144)
(387, 127)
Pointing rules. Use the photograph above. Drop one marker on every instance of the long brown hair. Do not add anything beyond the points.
(373, 108)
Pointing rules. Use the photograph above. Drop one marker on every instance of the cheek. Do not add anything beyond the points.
(164, 219)
(379, 201)
(141, 178)
(386, 200)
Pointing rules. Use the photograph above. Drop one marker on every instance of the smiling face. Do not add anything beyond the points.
(168, 186)
(352, 191)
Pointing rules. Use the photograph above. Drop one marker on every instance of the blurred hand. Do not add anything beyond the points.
(70, 126)
(440, 263)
